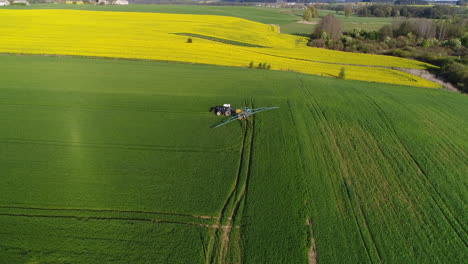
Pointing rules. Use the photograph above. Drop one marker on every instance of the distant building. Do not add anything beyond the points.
(443, 2)
(121, 2)
(21, 2)
(4, 3)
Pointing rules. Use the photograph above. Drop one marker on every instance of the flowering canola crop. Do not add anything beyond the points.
(157, 36)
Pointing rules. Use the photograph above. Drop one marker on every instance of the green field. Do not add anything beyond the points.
(116, 161)
(286, 18)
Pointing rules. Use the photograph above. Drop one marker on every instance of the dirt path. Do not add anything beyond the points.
(307, 22)
(430, 77)
(313, 247)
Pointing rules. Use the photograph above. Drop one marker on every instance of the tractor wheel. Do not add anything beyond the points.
(219, 113)
(227, 113)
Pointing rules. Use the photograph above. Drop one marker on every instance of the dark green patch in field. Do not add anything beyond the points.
(226, 41)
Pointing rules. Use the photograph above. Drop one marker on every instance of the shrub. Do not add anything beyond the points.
(386, 32)
(342, 74)
(318, 43)
(189, 40)
(456, 73)
(251, 64)
(454, 43)
(262, 66)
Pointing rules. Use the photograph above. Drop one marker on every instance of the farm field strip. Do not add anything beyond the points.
(289, 19)
(149, 36)
(343, 171)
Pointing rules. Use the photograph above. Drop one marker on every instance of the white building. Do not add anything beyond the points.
(24, 2)
(4, 3)
(121, 2)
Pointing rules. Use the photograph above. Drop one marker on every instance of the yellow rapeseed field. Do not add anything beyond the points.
(158, 37)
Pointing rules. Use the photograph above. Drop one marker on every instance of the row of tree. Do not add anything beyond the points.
(441, 42)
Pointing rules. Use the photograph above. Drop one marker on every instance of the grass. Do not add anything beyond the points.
(115, 161)
(355, 21)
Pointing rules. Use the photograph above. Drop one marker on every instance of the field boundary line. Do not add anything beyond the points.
(108, 210)
(333, 63)
(108, 108)
(111, 145)
(108, 218)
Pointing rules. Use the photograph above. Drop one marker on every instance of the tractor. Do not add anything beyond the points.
(239, 113)
(222, 110)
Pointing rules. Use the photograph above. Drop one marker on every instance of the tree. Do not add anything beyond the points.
(307, 15)
(314, 10)
(330, 25)
(348, 10)
(379, 12)
(311, 12)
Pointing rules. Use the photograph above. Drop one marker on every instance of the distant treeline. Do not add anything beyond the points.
(436, 12)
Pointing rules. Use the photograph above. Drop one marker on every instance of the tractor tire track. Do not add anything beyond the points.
(224, 252)
(312, 254)
(240, 200)
(315, 109)
(220, 250)
(214, 237)
(422, 172)
(327, 129)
